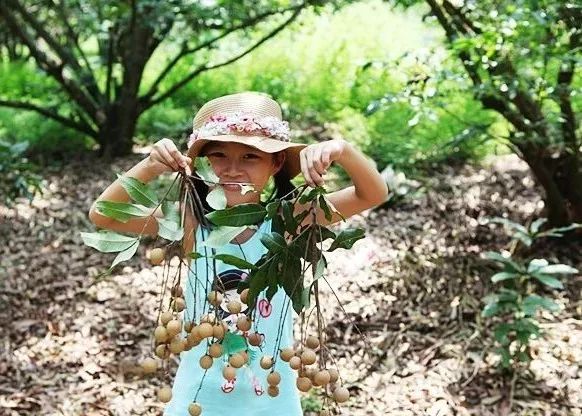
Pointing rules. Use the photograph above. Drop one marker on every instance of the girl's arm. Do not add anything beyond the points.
(369, 187)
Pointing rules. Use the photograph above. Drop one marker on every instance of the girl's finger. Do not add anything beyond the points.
(325, 157)
(317, 163)
(167, 158)
(316, 177)
(304, 169)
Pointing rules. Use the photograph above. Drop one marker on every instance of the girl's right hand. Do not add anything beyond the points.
(166, 156)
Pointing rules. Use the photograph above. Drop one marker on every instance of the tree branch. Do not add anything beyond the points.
(82, 127)
(144, 105)
(52, 68)
(185, 51)
(65, 55)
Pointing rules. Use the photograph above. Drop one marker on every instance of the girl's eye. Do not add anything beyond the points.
(251, 156)
(216, 154)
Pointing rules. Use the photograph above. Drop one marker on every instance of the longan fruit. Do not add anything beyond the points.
(176, 346)
(308, 357)
(205, 330)
(295, 363)
(333, 375)
(166, 317)
(266, 362)
(236, 360)
(215, 298)
(156, 256)
(341, 394)
(254, 339)
(215, 350)
(161, 334)
(177, 291)
(229, 372)
(321, 378)
(243, 323)
(165, 394)
(149, 365)
(206, 361)
(194, 409)
(273, 391)
(244, 356)
(287, 354)
(208, 317)
(274, 378)
(179, 304)
(303, 384)
(162, 351)
(312, 342)
(174, 327)
(307, 372)
(218, 331)
(244, 296)
(193, 340)
(234, 306)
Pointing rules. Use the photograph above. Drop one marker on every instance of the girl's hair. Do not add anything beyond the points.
(283, 189)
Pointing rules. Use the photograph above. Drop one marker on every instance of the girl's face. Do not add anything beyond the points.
(236, 162)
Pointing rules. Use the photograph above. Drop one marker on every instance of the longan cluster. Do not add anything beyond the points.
(309, 377)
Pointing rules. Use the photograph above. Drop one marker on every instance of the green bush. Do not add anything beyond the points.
(18, 177)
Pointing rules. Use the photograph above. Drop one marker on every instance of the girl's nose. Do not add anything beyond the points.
(232, 167)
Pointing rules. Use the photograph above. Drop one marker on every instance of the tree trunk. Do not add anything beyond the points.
(561, 179)
(116, 133)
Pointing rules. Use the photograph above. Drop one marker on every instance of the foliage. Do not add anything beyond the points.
(18, 177)
(522, 62)
(522, 284)
(280, 266)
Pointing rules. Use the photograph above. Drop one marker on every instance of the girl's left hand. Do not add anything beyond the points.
(316, 158)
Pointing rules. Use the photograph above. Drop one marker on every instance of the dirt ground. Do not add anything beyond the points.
(413, 287)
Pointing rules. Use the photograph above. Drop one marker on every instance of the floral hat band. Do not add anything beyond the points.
(242, 123)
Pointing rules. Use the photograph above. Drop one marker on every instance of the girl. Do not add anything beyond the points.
(246, 141)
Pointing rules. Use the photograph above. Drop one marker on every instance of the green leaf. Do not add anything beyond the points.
(558, 269)
(125, 254)
(221, 236)
(274, 242)
(194, 255)
(204, 169)
(257, 283)
(216, 198)
(549, 280)
(108, 241)
(234, 261)
(501, 332)
(323, 205)
(498, 277)
(306, 297)
(533, 302)
(525, 238)
(535, 264)
(169, 229)
(120, 211)
(243, 214)
(491, 255)
(138, 191)
(347, 238)
(310, 196)
(509, 224)
(535, 226)
(290, 222)
(491, 309)
(171, 211)
(273, 209)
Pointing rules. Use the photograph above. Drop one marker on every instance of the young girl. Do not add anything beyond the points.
(246, 141)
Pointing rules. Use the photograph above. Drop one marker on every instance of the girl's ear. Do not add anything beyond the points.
(279, 161)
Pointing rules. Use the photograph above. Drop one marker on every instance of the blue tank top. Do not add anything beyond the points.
(247, 394)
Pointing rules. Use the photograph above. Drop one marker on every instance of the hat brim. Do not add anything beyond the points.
(292, 164)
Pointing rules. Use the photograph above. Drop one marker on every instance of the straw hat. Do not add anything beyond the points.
(250, 118)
